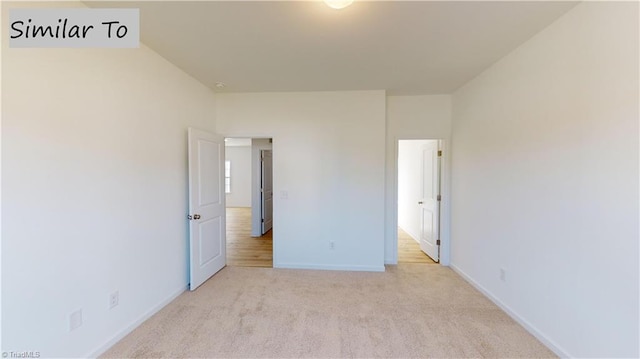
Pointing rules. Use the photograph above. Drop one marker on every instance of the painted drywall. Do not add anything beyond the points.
(328, 172)
(545, 182)
(2, 22)
(94, 163)
(410, 185)
(415, 117)
(240, 157)
(257, 145)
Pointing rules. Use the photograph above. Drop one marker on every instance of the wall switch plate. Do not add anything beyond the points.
(75, 320)
(503, 275)
(332, 244)
(114, 299)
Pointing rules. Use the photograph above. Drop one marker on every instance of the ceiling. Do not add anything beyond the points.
(404, 47)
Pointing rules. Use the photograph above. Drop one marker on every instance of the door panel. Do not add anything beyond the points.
(267, 190)
(429, 204)
(208, 182)
(207, 244)
(209, 250)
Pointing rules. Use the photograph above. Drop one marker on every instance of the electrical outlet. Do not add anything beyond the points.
(75, 320)
(503, 275)
(332, 244)
(114, 299)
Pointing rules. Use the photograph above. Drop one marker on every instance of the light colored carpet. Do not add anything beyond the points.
(409, 311)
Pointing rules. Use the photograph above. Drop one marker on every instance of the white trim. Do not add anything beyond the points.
(445, 203)
(256, 215)
(136, 323)
(356, 268)
(392, 259)
(256, 202)
(553, 346)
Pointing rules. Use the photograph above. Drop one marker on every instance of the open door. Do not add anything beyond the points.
(266, 189)
(430, 201)
(207, 243)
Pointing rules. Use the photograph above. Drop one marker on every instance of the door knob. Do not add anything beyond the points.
(418, 203)
(196, 216)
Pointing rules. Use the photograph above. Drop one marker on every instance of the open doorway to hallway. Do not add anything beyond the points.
(248, 182)
(419, 201)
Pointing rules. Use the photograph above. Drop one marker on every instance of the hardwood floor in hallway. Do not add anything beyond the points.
(242, 249)
(409, 250)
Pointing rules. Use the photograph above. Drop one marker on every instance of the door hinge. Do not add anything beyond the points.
(439, 153)
(262, 220)
(439, 198)
(438, 242)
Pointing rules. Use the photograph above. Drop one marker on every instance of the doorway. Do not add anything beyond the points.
(419, 199)
(246, 175)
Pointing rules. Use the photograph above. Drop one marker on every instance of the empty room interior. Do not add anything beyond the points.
(389, 179)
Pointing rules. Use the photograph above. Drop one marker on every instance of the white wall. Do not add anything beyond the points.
(240, 157)
(94, 166)
(329, 156)
(545, 182)
(410, 186)
(415, 117)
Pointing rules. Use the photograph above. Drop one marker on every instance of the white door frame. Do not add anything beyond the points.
(445, 218)
(256, 202)
(256, 223)
(266, 196)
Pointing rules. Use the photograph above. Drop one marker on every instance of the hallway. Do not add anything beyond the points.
(409, 250)
(242, 249)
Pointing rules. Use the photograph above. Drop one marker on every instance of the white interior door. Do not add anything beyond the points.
(429, 204)
(207, 244)
(266, 190)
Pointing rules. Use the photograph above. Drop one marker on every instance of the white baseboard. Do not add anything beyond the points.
(391, 261)
(128, 329)
(356, 268)
(515, 316)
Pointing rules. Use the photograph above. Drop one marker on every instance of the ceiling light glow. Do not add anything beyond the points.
(338, 4)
